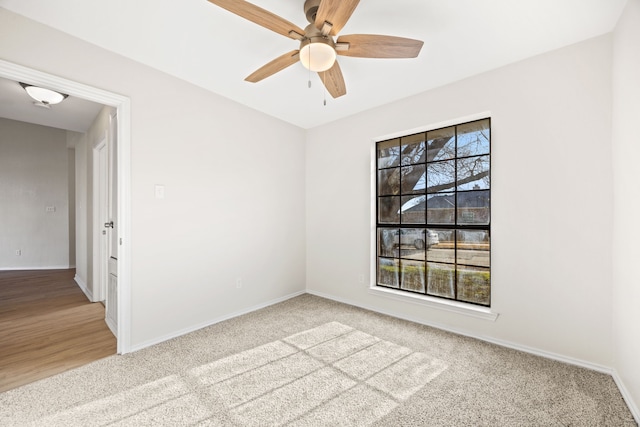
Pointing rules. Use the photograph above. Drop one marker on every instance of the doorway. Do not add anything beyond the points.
(122, 269)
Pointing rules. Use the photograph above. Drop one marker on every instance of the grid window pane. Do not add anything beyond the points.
(389, 210)
(413, 149)
(388, 242)
(413, 179)
(473, 173)
(441, 208)
(474, 285)
(473, 207)
(473, 138)
(388, 272)
(441, 176)
(441, 279)
(413, 210)
(413, 276)
(389, 182)
(444, 250)
(388, 153)
(441, 144)
(473, 248)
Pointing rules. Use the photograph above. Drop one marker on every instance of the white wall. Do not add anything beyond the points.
(551, 201)
(626, 175)
(33, 176)
(234, 180)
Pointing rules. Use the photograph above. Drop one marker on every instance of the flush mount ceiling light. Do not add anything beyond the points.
(43, 96)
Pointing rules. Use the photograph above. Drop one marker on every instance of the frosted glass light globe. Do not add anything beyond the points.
(44, 95)
(317, 56)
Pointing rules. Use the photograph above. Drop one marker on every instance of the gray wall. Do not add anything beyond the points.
(34, 170)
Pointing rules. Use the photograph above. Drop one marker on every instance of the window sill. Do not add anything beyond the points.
(437, 303)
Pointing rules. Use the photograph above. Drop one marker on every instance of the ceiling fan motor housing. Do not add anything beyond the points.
(310, 9)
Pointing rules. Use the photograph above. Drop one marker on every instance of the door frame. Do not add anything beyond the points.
(122, 104)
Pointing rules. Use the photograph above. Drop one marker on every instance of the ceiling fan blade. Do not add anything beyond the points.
(335, 12)
(278, 64)
(261, 17)
(377, 46)
(333, 81)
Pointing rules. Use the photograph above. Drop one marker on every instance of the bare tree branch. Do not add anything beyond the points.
(441, 187)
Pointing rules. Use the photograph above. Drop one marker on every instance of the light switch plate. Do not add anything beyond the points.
(159, 191)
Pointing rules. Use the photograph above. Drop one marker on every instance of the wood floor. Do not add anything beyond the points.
(47, 326)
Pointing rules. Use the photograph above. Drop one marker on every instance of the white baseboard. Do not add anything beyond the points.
(194, 328)
(626, 396)
(83, 285)
(38, 267)
(112, 326)
(502, 343)
(547, 354)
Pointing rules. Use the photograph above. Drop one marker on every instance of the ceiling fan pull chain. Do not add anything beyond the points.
(309, 69)
(324, 84)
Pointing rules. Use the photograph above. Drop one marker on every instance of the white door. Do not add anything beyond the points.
(112, 231)
(105, 234)
(101, 217)
(113, 189)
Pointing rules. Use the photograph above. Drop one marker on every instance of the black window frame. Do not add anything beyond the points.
(469, 280)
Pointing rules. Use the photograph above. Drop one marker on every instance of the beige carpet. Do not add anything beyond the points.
(313, 362)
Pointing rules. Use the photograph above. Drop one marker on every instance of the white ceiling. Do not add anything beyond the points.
(214, 49)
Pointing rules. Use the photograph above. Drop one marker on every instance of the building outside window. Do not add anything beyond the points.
(433, 213)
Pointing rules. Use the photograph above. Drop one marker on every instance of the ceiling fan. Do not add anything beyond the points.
(318, 49)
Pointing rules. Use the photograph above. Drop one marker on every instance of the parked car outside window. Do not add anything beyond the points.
(417, 237)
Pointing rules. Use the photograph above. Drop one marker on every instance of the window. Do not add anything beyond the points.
(433, 213)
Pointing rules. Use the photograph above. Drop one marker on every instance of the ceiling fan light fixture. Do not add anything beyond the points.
(317, 54)
(43, 95)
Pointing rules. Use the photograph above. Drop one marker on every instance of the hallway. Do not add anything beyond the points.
(47, 326)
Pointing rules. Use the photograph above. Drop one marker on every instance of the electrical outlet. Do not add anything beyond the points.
(361, 279)
(50, 208)
(238, 283)
(18, 252)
